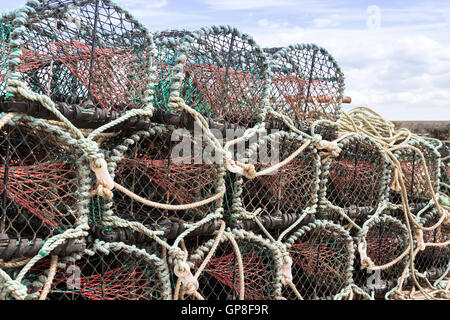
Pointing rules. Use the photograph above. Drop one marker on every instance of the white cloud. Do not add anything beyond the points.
(245, 4)
(143, 4)
(324, 22)
(401, 75)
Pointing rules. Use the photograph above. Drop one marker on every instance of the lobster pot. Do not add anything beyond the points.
(74, 51)
(120, 273)
(220, 278)
(40, 181)
(434, 260)
(164, 165)
(288, 190)
(386, 239)
(225, 75)
(359, 178)
(322, 258)
(414, 174)
(307, 83)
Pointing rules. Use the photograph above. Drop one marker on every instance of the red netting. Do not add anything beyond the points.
(38, 181)
(350, 175)
(151, 168)
(40, 188)
(121, 283)
(257, 273)
(321, 263)
(382, 248)
(229, 92)
(318, 260)
(116, 276)
(106, 71)
(307, 84)
(293, 186)
(413, 173)
(357, 177)
(294, 91)
(181, 179)
(289, 183)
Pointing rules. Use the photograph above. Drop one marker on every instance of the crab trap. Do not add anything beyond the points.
(169, 174)
(243, 266)
(41, 179)
(108, 271)
(322, 260)
(356, 181)
(280, 192)
(77, 51)
(416, 172)
(219, 72)
(307, 83)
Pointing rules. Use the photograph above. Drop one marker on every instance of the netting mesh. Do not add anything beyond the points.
(220, 278)
(433, 260)
(117, 275)
(386, 240)
(85, 50)
(322, 258)
(225, 75)
(154, 167)
(414, 172)
(283, 191)
(5, 38)
(39, 181)
(307, 84)
(358, 177)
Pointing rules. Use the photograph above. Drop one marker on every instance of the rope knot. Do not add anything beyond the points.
(245, 169)
(286, 270)
(184, 274)
(366, 262)
(332, 147)
(16, 289)
(105, 182)
(420, 242)
(91, 149)
(395, 185)
(316, 139)
(176, 103)
(176, 253)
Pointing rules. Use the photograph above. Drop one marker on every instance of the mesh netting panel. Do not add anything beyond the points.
(226, 75)
(220, 278)
(445, 169)
(118, 275)
(38, 182)
(307, 84)
(155, 169)
(386, 240)
(165, 62)
(433, 260)
(292, 187)
(85, 50)
(357, 177)
(414, 173)
(320, 263)
(5, 38)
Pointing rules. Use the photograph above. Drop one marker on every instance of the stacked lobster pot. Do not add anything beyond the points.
(354, 193)
(196, 165)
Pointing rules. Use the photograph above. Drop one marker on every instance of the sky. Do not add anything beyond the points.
(395, 55)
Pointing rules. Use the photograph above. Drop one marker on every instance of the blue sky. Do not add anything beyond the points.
(395, 56)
